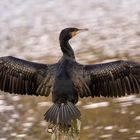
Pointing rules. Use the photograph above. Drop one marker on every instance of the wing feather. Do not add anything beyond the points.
(118, 78)
(24, 77)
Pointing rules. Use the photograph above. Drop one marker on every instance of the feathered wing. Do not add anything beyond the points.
(24, 77)
(112, 79)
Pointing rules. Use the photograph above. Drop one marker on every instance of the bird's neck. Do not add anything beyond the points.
(67, 49)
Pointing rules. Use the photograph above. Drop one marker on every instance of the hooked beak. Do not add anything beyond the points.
(79, 31)
(82, 30)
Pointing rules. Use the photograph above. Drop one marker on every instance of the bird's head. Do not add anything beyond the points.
(67, 33)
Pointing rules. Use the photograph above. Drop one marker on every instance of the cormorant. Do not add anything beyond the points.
(68, 80)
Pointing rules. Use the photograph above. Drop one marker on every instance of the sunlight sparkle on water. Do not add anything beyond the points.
(96, 105)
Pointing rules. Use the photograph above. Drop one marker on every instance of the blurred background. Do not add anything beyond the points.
(30, 29)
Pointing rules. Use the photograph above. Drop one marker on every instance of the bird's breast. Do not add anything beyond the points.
(63, 85)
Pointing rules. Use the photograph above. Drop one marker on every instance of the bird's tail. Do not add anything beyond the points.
(62, 114)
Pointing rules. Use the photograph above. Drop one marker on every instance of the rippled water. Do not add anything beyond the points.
(101, 119)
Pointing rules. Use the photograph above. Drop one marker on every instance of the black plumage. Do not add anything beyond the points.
(68, 80)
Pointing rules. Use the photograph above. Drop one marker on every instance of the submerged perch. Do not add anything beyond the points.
(68, 80)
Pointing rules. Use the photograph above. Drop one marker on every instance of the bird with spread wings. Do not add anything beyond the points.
(68, 80)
